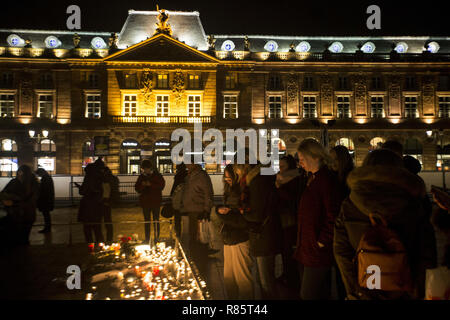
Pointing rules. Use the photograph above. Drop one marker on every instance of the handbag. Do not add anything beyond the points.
(203, 231)
(167, 211)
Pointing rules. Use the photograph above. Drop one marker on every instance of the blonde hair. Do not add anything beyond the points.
(314, 149)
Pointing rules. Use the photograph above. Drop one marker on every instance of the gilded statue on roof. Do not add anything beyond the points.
(162, 26)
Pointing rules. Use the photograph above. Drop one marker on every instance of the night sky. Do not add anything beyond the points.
(280, 17)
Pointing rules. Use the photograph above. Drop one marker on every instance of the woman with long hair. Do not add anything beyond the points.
(237, 260)
(318, 207)
(20, 198)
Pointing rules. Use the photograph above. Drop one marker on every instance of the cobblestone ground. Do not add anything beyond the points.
(128, 221)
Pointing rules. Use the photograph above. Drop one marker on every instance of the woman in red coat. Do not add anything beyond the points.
(149, 185)
(318, 208)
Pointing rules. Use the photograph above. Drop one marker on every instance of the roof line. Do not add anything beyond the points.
(175, 13)
(332, 38)
(101, 33)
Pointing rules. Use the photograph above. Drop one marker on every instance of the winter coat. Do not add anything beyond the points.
(150, 196)
(179, 178)
(290, 186)
(318, 208)
(264, 234)
(46, 200)
(234, 227)
(198, 195)
(23, 210)
(91, 204)
(397, 196)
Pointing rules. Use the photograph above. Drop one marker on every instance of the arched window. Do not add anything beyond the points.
(346, 142)
(8, 158)
(376, 143)
(46, 155)
(88, 153)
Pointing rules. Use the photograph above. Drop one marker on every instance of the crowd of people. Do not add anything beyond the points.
(315, 213)
(21, 198)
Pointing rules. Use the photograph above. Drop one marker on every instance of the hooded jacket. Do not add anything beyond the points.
(198, 195)
(396, 195)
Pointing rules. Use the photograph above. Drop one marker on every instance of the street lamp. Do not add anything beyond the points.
(43, 134)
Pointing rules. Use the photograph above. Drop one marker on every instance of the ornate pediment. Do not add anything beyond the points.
(161, 48)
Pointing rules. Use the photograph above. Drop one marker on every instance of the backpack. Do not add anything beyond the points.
(177, 197)
(382, 247)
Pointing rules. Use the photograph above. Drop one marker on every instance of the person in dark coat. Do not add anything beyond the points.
(46, 200)
(265, 233)
(91, 208)
(149, 185)
(290, 183)
(318, 208)
(384, 187)
(180, 176)
(111, 197)
(238, 263)
(20, 199)
(341, 164)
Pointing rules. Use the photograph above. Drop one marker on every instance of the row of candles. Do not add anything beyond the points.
(163, 276)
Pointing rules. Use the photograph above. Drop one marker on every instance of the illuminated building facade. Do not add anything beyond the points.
(127, 91)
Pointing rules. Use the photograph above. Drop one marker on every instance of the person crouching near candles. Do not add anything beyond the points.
(149, 185)
(234, 229)
(318, 208)
(382, 186)
(20, 199)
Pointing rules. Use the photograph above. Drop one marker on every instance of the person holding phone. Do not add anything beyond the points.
(237, 260)
(149, 185)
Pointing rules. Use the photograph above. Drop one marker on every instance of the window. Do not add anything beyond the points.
(8, 158)
(343, 107)
(444, 107)
(194, 106)
(444, 83)
(376, 83)
(308, 83)
(130, 105)
(163, 81)
(275, 83)
(93, 106)
(411, 107)
(45, 109)
(377, 143)
(343, 83)
(309, 107)
(194, 81)
(46, 80)
(376, 107)
(93, 80)
(410, 83)
(162, 106)
(230, 81)
(230, 107)
(7, 105)
(7, 80)
(275, 111)
(130, 81)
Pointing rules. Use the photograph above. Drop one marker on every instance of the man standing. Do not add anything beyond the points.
(46, 200)
(197, 203)
(149, 185)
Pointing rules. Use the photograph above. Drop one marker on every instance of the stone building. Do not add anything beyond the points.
(67, 98)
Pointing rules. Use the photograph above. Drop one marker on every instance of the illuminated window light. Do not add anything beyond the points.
(258, 121)
(303, 47)
(395, 121)
(361, 121)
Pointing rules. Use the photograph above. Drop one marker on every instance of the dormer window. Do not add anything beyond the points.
(98, 43)
(15, 41)
(303, 47)
(433, 47)
(271, 46)
(52, 42)
(368, 47)
(336, 47)
(228, 45)
(401, 47)
(163, 81)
